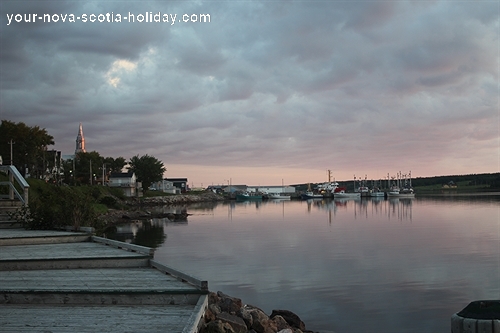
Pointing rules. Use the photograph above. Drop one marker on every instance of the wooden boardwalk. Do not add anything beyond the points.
(53, 281)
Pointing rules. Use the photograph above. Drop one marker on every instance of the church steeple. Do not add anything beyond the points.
(80, 141)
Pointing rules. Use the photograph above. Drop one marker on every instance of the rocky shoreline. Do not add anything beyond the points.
(178, 199)
(137, 207)
(226, 314)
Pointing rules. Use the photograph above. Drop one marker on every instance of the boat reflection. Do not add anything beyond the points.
(393, 208)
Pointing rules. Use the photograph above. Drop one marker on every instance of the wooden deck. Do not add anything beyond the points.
(54, 281)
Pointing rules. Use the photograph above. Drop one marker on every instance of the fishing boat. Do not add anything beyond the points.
(341, 193)
(376, 192)
(362, 188)
(245, 196)
(401, 188)
(311, 195)
(278, 196)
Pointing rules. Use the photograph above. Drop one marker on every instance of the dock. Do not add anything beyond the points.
(60, 281)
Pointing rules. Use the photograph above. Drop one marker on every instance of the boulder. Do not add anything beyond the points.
(291, 318)
(257, 320)
(211, 312)
(237, 324)
(218, 326)
(228, 304)
(286, 330)
(281, 323)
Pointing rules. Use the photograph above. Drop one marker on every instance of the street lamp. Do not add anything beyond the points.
(103, 173)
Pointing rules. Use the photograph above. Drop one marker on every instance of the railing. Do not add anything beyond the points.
(14, 175)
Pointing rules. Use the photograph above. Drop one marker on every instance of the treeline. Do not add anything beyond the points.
(26, 148)
(491, 180)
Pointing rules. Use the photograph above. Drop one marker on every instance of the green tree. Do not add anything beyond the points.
(88, 166)
(148, 169)
(114, 164)
(29, 148)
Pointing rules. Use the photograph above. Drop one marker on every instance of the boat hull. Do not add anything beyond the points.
(401, 195)
(279, 197)
(346, 195)
(311, 196)
(241, 197)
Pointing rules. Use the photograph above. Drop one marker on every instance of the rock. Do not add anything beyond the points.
(228, 304)
(226, 314)
(245, 314)
(281, 323)
(218, 326)
(291, 318)
(211, 312)
(237, 324)
(260, 321)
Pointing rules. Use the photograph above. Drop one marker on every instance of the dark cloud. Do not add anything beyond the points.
(303, 84)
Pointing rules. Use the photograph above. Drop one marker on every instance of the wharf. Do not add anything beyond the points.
(57, 281)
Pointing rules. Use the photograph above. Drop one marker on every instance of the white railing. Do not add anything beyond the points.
(14, 175)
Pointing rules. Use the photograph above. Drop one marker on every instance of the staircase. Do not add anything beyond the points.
(9, 206)
(56, 281)
(17, 195)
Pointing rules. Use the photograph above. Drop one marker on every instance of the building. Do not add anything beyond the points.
(80, 141)
(180, 183)
(164, 186)
(127, 181)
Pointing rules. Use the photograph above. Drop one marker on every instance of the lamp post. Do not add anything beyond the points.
(11, 143)
(103, 173)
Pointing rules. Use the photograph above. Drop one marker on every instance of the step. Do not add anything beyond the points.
(96, 286)
(67, 256)
(111, 319)
(13, 236)
(6, 203)
(9, 224)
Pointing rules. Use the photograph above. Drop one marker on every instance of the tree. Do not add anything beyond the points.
(88, 166)
(29, 148)
(148, 169)
(114, 164)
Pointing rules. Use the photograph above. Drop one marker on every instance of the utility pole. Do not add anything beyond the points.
(11, 143)
(103, 173)
(90, 172)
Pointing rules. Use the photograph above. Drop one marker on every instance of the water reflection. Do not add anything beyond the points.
(345, 265)
(148, 233)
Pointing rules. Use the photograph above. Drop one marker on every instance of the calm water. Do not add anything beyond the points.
(343, 266)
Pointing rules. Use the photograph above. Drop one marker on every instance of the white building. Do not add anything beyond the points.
(127, 181)
(164, 186)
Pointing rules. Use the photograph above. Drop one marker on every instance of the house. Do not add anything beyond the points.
(164, 186)
(180, 183)
(127, 181)
(451, 184)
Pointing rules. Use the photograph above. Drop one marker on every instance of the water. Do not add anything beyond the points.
(342, 266)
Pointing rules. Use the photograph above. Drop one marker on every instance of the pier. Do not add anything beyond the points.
(60, 281)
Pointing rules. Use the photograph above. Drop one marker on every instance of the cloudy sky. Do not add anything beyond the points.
(261, 90)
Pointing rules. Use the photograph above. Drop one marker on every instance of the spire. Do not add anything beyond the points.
(80, 141)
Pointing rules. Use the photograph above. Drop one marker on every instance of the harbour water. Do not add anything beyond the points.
(345, 266)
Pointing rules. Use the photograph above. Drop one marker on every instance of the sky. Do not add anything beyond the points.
(261, 92)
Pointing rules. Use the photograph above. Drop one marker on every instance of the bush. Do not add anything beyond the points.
(53, 207)
(110, 202)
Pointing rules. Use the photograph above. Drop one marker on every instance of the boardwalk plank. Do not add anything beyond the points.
(59, 319)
